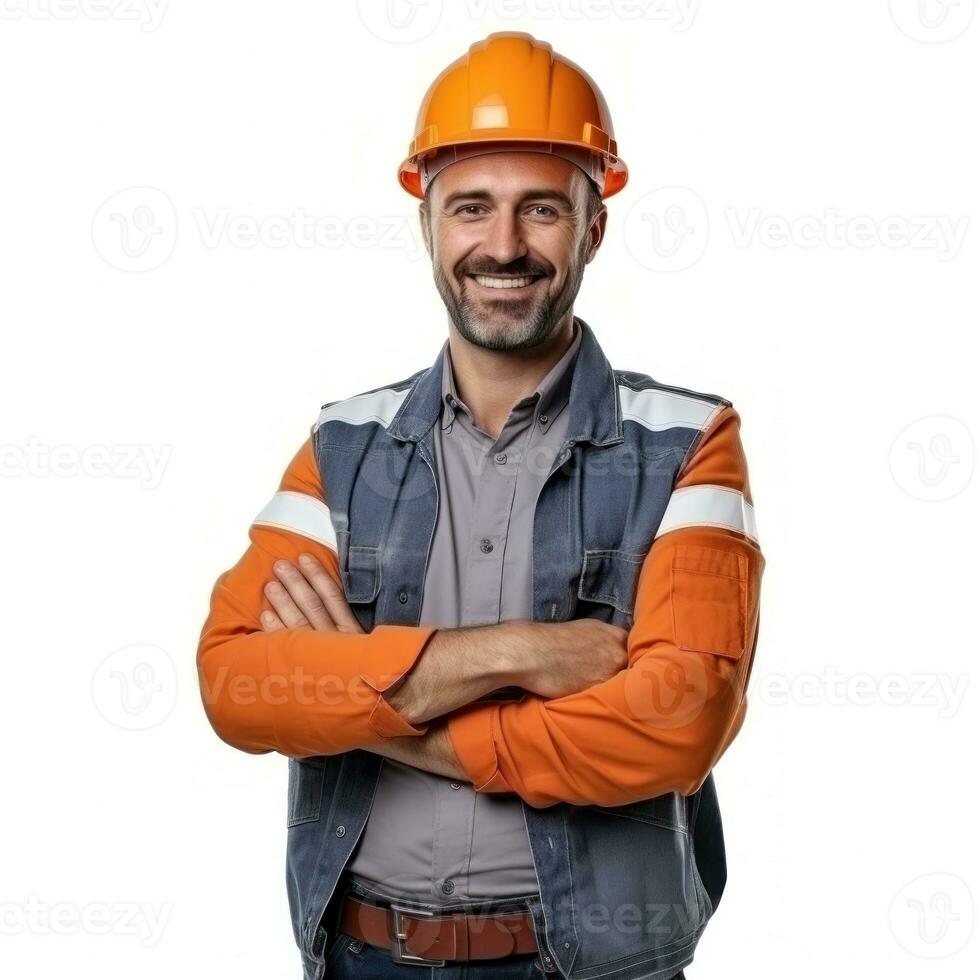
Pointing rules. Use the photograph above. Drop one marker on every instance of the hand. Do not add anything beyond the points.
(307, 598)
(557, 659)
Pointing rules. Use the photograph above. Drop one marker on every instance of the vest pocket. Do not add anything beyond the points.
(610, 577)
(362, 576)
(306, 777)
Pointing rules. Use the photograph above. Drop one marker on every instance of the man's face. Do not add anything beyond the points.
(509, 237)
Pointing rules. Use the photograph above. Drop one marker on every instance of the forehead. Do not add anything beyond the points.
(508, 175)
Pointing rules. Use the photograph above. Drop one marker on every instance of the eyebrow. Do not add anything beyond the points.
(482, 195)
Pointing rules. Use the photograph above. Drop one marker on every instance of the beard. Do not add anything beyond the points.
(514, 324)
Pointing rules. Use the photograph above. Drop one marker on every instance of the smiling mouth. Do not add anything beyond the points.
(504, 282)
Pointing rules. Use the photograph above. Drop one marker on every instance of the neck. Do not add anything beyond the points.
(490, 382)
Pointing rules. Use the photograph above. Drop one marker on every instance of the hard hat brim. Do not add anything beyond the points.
(616, 171)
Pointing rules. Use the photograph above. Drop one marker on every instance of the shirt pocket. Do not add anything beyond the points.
(709, 600)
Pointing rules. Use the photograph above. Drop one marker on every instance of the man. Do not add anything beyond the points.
(501, 614)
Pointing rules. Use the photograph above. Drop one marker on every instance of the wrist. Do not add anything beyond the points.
(515, 656)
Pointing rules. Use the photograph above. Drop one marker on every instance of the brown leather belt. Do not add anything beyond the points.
(414, 935)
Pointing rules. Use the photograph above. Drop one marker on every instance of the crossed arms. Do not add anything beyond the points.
(609, 717)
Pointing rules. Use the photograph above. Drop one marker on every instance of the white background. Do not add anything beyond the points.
(786, 240)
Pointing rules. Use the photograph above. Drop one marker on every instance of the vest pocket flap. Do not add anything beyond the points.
(709, 600)
(610, 576)
(306, 778)
(668, 811)
(362, 577)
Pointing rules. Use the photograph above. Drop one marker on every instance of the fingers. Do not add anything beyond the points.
(271, 623)
(294, 600)
(286, 612)
(330, 593)
(307, 598)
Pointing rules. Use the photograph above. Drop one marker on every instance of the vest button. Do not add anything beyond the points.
(403, 597)
(341, 830)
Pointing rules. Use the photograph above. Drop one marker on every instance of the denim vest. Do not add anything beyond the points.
(625, 891)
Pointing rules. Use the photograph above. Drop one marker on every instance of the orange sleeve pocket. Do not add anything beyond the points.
(709, 599)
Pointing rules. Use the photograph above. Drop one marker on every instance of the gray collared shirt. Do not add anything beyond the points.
(429, 838)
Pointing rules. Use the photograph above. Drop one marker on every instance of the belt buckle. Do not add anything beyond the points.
(398, 952)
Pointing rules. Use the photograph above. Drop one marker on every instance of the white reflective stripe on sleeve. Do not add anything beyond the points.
(709, 506)
(374, 406)
(659, 410)
(301, 514)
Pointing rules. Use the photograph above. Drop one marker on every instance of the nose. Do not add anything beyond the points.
(504, 242)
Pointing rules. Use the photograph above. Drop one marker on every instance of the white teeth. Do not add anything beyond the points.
(504, 283)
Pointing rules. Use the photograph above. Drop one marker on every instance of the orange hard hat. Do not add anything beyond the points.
(510, 92)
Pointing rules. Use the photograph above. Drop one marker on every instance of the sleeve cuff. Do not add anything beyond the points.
(471, 732)
(402, 648)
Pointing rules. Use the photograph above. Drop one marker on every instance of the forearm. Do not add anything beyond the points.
(432, 752)
(610, 745)
(459, 666)
(305, 692)
(660, 725)
(300, 692)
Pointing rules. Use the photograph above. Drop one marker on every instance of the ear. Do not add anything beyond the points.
(426, 229)
(596, 232)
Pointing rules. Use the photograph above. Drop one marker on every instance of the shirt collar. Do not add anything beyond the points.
(551, 394)
(595, 415)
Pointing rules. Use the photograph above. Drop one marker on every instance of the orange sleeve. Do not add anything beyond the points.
(298, 692)
(662, 723)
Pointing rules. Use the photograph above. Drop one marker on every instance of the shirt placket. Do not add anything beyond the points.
(498, 465)
(494, 505)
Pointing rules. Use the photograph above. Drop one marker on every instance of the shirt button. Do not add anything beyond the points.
(449, 886)
(501, 457)
(403, 597)
(486, 546)
(341, 830)
(455, 785)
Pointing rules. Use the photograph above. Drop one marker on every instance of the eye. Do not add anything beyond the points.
(468, 210)
(542, 211)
